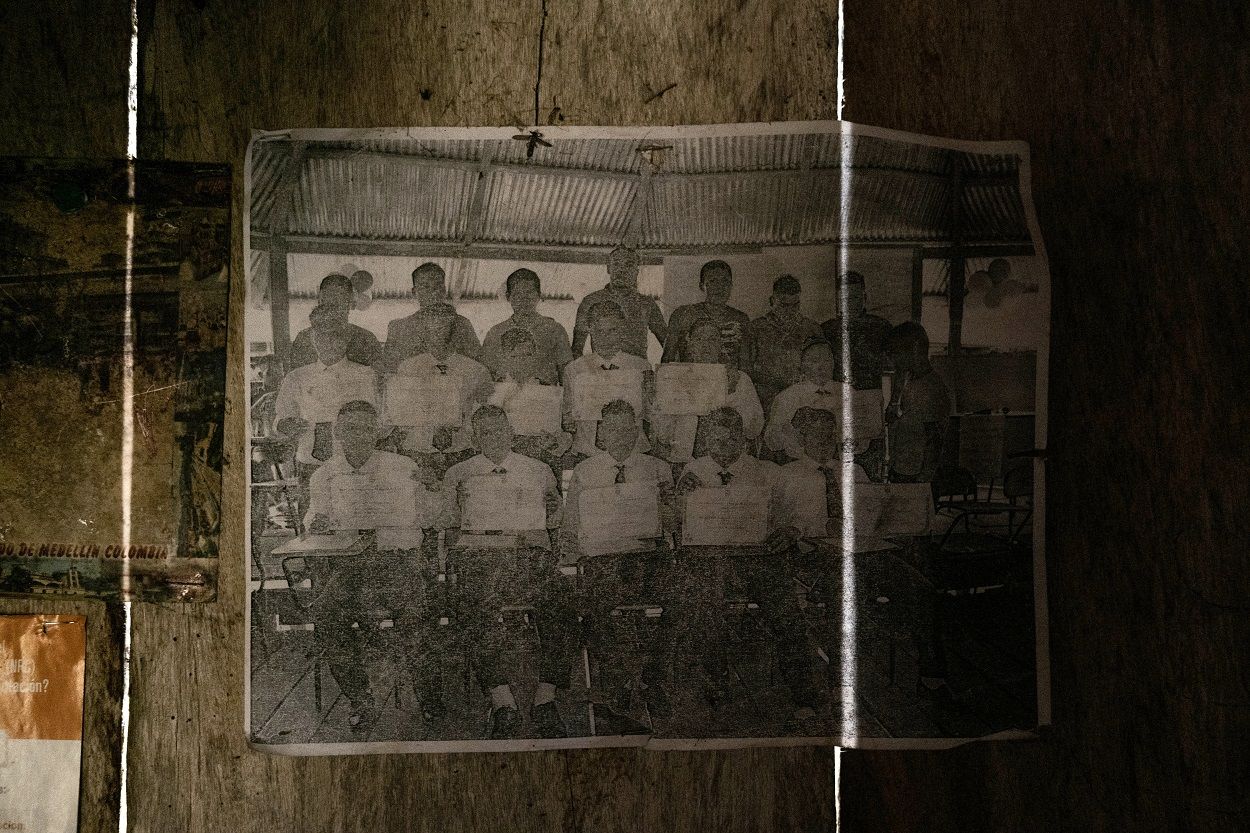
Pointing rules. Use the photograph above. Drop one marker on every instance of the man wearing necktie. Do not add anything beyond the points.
(310, 396)
(386, 575)
(507, 567)
(761, 572)
(630, 570)
(606, 360)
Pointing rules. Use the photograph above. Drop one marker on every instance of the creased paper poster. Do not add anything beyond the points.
(41, 690)
(830, 567)
(112, 377)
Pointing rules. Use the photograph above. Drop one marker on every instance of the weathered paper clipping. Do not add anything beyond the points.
(715, 436)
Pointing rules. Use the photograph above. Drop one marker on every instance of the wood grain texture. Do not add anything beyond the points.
(1137, 116)
(211, 74)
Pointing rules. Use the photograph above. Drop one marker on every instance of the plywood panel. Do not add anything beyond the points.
(1141, 174)
(1136, 114)
(211, 74)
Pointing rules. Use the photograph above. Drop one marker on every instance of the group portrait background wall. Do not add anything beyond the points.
(1135, 115)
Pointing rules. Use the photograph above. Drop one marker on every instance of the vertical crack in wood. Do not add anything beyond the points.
(542, 37)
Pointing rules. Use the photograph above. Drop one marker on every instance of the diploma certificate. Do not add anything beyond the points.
(535, 409)
(594, 389)
(614, 518)
(320, 400)
(725, 516)
(690, 388)
(423, 401)
(362, 501)
(495, 503)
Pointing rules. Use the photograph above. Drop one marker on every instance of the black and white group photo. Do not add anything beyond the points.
(683, 436)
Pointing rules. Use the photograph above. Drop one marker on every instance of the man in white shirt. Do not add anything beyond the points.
(467, 381)
(762, 573)
(812, 485)
(820, 387)
(629, 570)
(386, 575)
(681, 438)
(519, 387)
(607, 327)
(499, 567)
(310, 397)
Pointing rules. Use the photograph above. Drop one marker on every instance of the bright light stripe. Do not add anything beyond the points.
(128, 406)
(847, 648)
(848, 672)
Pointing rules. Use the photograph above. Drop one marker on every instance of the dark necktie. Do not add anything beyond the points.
(833, 492)
(323, 441)
(610, 367)
(499, 470)
(725, 477)
(620, 473)
(442, 369)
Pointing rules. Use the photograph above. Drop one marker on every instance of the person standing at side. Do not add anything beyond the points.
(918, 415)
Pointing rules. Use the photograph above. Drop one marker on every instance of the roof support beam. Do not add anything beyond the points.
(971, 180)
(354, 247)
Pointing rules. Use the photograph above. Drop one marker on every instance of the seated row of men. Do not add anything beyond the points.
(724, 528)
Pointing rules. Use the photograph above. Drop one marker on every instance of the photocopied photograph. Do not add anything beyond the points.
(682, 437)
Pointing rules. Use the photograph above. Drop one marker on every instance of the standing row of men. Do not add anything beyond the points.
(766, 348)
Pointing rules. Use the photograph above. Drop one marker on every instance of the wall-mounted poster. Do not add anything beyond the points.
(42, 663)
(793, 490)
(113, 289)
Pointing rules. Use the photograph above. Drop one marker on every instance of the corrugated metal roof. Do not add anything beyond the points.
(776, 190)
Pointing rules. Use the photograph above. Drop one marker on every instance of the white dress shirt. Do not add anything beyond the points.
(780, 434)
(315, 392)
(585, 432)
(383, 466)
(804, 490)
(601, 471)
(517, 470)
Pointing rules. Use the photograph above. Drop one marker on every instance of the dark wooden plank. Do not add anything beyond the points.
(1136, 116)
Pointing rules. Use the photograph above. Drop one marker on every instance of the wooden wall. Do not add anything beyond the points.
(1136, 113)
